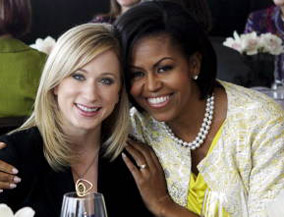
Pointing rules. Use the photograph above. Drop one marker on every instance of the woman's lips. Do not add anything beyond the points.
(87, 111)
(158, 102)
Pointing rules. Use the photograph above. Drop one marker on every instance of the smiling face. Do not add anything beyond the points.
(89, 95)
(162, 78)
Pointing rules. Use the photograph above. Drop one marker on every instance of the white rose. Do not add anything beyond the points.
(5, 211)
(250, 43)
(271, 44)
(44, 45)
(234, 43)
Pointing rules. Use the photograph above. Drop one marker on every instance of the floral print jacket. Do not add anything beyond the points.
(247, 163)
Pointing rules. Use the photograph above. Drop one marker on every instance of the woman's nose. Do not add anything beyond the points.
(153, 83)
(90, 92)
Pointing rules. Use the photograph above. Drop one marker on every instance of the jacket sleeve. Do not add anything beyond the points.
(267, 174)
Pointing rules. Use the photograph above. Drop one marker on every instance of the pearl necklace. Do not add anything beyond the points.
(204, 129)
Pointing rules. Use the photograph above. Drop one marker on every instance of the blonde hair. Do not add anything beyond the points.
(74, 49)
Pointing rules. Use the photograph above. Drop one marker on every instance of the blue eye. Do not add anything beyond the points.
(165, 68)
(107, 81)
(78, 77)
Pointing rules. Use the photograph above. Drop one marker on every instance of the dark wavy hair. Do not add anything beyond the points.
(15, 17)
(153, 18)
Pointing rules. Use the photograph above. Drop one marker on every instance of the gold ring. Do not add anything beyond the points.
(142, 166)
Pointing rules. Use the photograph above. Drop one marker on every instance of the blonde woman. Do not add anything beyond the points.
(79, 123)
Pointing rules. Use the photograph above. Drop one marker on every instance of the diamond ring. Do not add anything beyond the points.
(142, 166)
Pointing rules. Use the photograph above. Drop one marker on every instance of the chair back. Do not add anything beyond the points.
(10, 123)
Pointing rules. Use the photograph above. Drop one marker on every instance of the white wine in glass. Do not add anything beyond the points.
(91, 205)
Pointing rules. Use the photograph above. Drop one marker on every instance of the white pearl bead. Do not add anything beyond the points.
(203, 131)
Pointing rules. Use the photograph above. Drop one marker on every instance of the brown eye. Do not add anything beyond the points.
(165, 68)
(136, 74)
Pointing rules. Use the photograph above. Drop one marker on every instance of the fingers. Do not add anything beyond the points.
(149, 180)
(6, 185)
(138, 156)
(5, 167)
(132, 168)
(8, 180)
(142, 151)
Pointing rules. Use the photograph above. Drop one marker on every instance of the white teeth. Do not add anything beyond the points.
(86, 109)
(158, 100)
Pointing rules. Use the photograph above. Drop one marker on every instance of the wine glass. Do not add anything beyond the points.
(278, 85)
(91, 205)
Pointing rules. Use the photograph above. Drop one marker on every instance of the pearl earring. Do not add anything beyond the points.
(195, 77)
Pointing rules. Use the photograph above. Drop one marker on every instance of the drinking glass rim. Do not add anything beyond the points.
(74, 195)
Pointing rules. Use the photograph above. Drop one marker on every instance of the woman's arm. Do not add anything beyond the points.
(8, 174)
(267, 174)
(150, 180)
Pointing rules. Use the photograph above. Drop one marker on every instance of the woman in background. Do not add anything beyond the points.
(117, 7)
(270, 20)
(198, 8)
(20, 65)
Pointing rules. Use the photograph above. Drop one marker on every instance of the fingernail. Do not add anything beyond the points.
(123, 155)
(15, 171)
(12, 185)
(17, 179)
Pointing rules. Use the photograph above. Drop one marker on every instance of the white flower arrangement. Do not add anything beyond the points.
(5, 211)
(44, 45)
(251, 43)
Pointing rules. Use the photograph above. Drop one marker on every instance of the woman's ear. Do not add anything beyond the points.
(55, 90)
(195, 64)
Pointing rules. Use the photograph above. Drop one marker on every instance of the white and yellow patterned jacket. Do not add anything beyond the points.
(248, 157)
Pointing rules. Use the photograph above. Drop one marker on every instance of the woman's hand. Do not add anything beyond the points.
(149, 177)
(8, 178)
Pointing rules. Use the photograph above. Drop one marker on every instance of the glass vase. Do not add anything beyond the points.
(278, 84)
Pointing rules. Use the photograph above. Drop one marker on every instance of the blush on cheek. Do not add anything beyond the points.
(132, 91)
(137, 88)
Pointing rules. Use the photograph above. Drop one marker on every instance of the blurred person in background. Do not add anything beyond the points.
(20, 65)
(117, 7)
(198, 8)
(270, 20)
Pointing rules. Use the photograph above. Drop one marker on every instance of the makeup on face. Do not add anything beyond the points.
(162, 84)
(88, 96)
